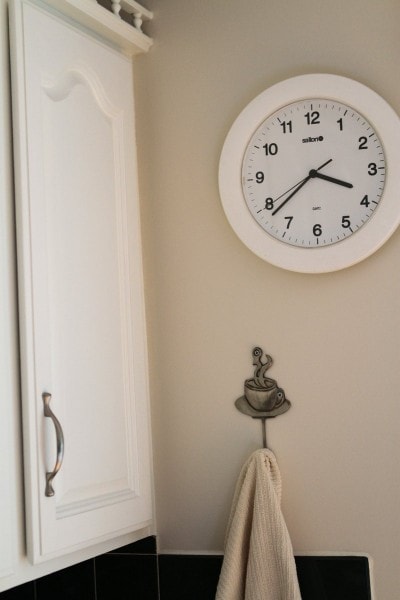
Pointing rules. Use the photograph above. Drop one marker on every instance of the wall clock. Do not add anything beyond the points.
(309, 173)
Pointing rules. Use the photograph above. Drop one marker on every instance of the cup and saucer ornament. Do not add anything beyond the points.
(262, 396)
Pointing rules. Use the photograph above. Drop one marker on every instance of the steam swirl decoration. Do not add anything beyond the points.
(261, 368)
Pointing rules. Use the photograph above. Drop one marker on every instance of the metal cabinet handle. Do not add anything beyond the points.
(60, 444)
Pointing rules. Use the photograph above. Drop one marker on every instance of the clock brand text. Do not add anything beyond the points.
(319, 138)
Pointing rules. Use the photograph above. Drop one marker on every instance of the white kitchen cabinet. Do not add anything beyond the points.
(80, 284)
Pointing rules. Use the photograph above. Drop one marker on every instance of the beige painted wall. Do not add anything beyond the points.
(334, 338)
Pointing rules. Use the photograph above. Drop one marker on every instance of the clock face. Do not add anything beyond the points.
(313, 173)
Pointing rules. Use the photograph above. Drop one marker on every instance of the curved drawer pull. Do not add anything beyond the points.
(60, 444)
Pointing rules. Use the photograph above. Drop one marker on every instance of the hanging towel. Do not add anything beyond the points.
(258, 561)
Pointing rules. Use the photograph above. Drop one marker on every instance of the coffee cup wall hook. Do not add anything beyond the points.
(263, 398)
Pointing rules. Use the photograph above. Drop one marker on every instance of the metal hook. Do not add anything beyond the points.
(264, 431)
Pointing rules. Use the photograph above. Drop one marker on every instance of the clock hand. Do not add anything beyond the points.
(290, 189)
(299, 186)
(301, 181)
(324, 165)
(314, 173)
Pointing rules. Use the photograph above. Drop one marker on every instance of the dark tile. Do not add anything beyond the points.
(182, 577)
(126, 577)
(320, 578)
(333, 577)
(73, 583)
(21, 592)
(146, 546)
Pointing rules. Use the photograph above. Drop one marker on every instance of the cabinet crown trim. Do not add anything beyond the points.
(129, 39)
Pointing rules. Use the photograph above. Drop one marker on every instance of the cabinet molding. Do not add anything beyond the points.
(127, 38)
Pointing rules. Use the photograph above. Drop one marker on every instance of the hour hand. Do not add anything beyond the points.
(314, 173)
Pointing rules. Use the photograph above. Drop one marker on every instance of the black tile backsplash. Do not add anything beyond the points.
(184, 577)
(137, 572)
(126, 577)
(21, 592)
(333, 577)
(320, 578)
(74, 583)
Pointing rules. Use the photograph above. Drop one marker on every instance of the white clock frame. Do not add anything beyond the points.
(348, 251)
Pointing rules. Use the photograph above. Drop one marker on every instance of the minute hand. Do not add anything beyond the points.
(314, 173)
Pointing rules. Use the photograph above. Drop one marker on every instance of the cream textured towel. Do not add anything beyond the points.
(258, 561)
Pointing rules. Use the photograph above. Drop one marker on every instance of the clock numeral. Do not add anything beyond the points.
(340, 121)
(362, 143)
(346, 221)
(312, 118)
(372, 169)
(289, 220)
(269, 204)
(365, 202)
(317, 230)
(286, 126)
(259, 176)
(271, 149)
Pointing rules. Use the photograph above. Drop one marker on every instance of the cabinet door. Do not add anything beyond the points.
(81, 298)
